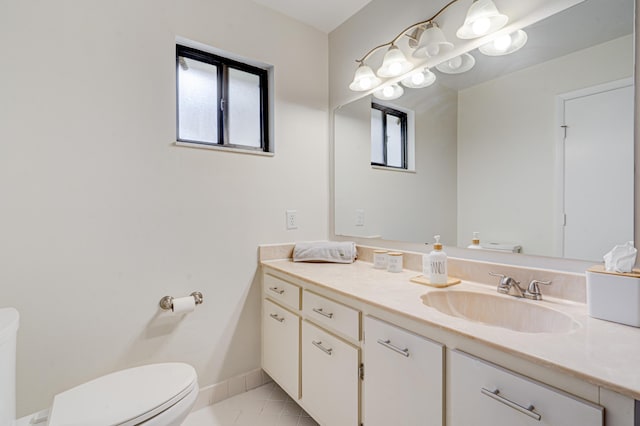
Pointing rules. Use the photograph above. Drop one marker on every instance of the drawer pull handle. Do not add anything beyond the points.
(387, 344)
(277, 290)
(323, 313)
(318, 345)
(276, 317)
(495, 394)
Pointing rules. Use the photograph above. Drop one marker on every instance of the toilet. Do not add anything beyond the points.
(150, 395)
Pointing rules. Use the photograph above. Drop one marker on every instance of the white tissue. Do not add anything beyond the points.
(183, 305)
(621, 258)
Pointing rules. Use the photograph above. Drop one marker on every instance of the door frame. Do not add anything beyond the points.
(561, 99)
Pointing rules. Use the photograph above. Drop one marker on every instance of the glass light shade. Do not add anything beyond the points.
(505, 44)
(387, 93)
(482, 18)
(394, 63)
(364, 79)
(432, 43)
(457, 65)
(419, 79)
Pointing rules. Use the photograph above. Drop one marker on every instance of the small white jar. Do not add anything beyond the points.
(394, 260)
(380, 259)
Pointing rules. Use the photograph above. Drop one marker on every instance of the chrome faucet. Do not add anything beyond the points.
(512, 287)
(533, 291)
(508, 285)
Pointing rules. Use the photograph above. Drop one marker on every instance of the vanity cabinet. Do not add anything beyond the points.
(281, 333)
(281, 346)
(330, 380)
(482, 394)
(318, 343)
(403, 378)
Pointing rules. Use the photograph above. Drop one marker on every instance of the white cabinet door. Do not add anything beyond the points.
(403, 377)
(281, 346)
(483, 394)
(330, 391)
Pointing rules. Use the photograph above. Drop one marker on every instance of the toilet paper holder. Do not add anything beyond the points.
(166, 302)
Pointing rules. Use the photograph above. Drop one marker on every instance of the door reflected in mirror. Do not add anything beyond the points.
(532, 150)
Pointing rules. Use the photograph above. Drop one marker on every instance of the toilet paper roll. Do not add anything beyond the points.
(183, 305)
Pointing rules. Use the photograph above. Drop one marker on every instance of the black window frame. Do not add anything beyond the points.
(403, 135)
(223, 65)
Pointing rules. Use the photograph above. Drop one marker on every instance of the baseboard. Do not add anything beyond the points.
(226, 389)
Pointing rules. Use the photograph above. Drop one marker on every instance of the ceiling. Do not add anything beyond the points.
(324, 15)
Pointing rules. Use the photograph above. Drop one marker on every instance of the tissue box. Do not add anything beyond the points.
(614, 296)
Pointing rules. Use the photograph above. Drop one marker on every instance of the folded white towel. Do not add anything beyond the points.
(325, 251)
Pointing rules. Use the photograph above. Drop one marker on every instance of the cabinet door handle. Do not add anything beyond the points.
(387, 344)
(323, 313)
(495, 394)
(318, 344)
(276, 317)
(277, 290)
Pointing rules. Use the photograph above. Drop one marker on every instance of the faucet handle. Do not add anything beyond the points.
(504, 279)
(506, 282)
(533, 291)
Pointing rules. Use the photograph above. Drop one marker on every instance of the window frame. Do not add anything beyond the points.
(223, 64)
(386, 110)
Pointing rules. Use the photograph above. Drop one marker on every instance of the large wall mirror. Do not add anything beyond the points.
(534, 150)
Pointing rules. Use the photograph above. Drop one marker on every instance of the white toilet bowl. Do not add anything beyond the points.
(150, 395)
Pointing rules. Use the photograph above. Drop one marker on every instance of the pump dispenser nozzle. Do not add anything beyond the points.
(437, 245)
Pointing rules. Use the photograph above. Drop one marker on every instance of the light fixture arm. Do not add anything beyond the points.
(405, 31)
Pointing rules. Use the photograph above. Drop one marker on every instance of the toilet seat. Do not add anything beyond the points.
(124, 398)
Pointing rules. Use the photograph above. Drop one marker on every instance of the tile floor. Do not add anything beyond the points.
(267, 405)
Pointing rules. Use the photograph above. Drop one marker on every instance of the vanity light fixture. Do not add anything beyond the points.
(394, 63)
(419, 79)
(390, 92)
(427, 40)
(432, 42)
(457, 65)
(482, 18)
(504, 44)
(364, 79)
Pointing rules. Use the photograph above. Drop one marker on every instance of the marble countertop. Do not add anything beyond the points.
(601, 352)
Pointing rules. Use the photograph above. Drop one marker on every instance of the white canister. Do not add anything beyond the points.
(380, 259)
(394, 260)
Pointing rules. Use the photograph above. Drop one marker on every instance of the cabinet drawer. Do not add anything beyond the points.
(334, 315)
(404, 377)
(483, 394)
(281, 346)
(282, 291)
(329, 377)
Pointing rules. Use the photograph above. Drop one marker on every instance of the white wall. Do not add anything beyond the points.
(398, 205)
(102, 215)
(502, 197)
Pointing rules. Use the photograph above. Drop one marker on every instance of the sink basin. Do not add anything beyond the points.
(500, 311)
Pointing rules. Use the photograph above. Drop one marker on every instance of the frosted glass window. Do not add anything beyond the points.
(394, 141)
(197, 101)
(388, 137)
(244, 108)
(221, 101)
(377, 137)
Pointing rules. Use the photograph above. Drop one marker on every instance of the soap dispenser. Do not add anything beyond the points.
(437, 263)
(475, 243)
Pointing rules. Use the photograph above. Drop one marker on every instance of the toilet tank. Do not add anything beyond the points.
(8, 332)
